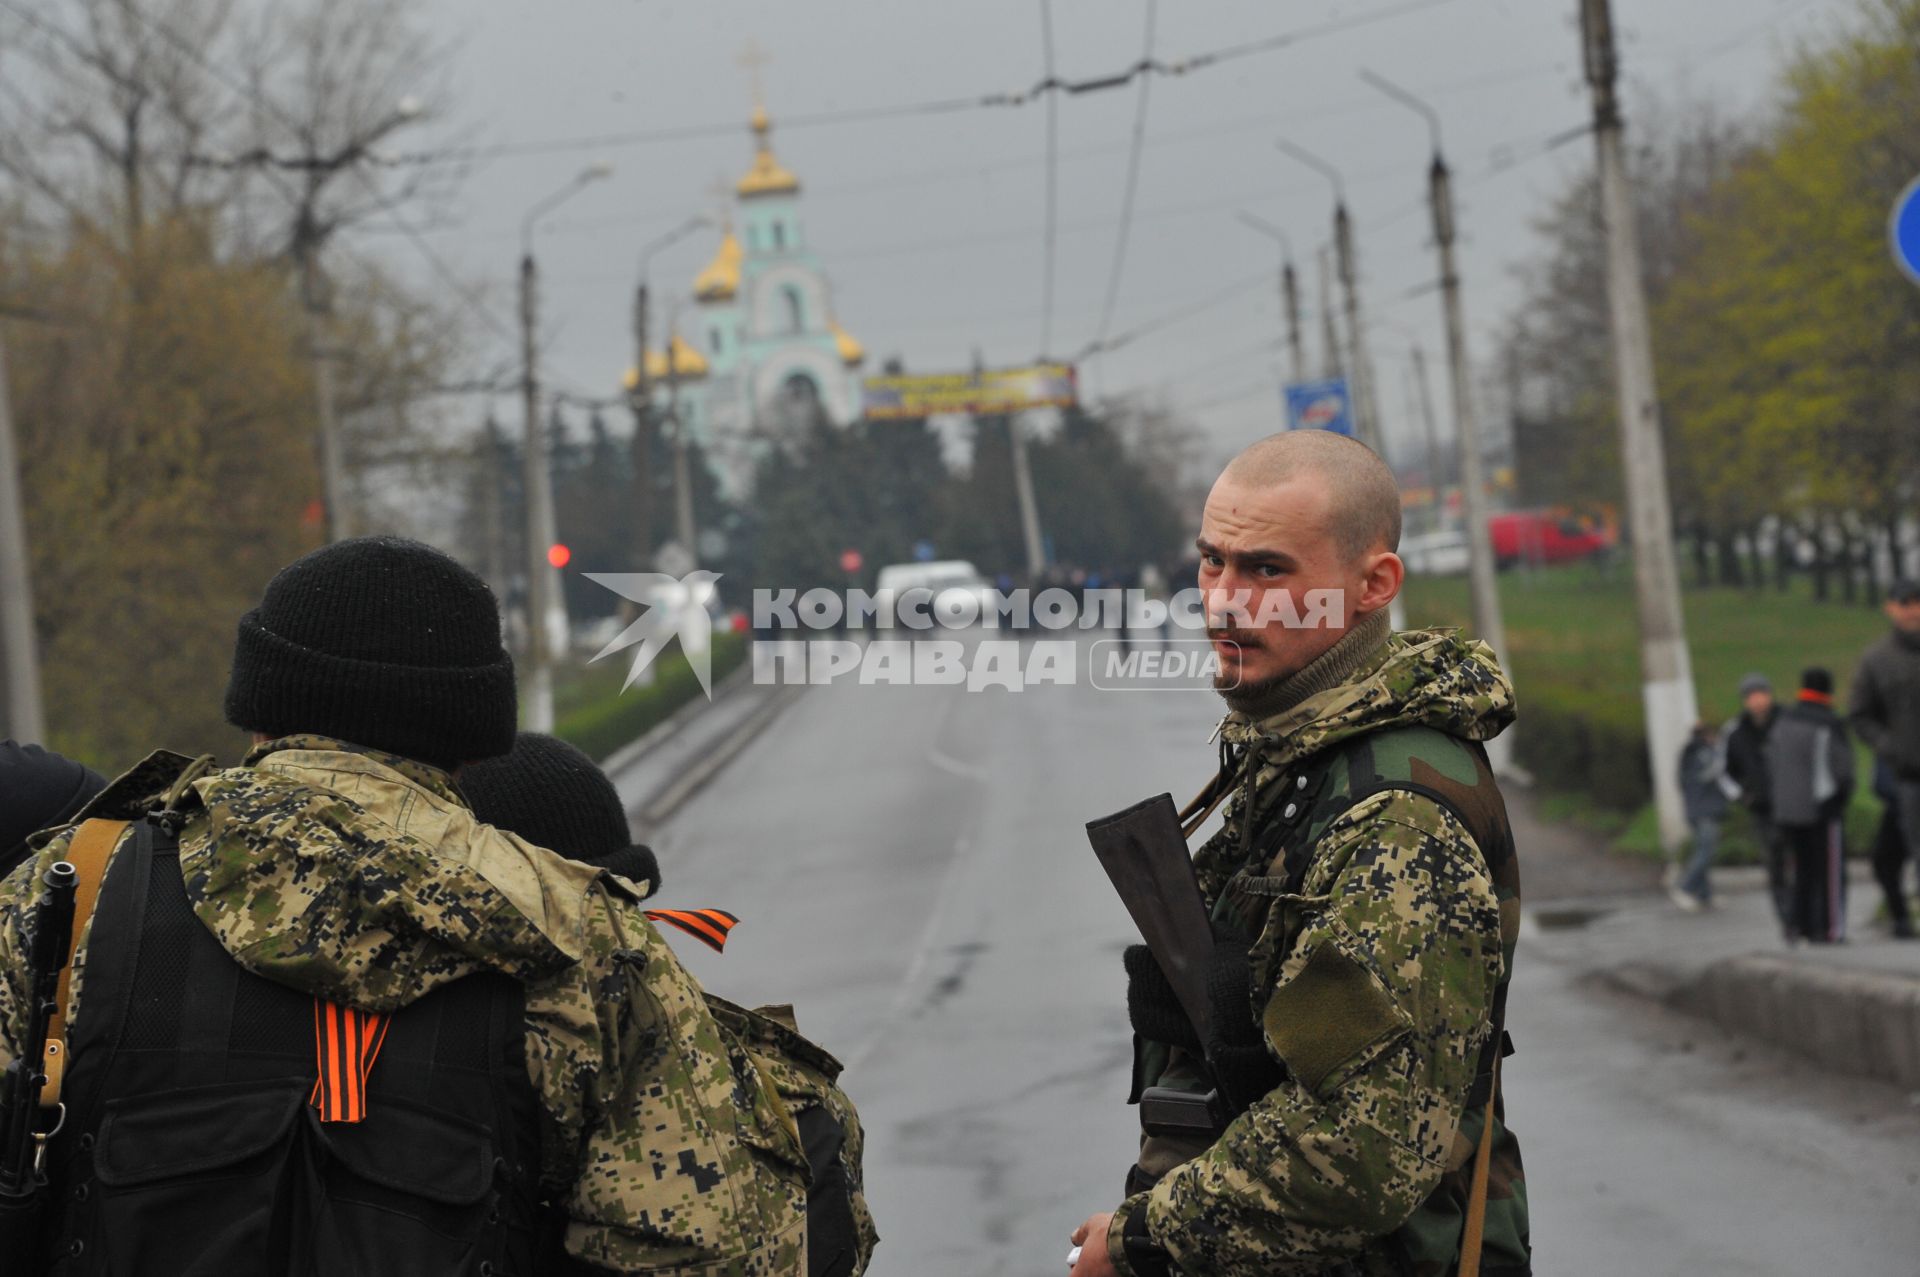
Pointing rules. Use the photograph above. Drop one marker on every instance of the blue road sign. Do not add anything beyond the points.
(1903, 230)
(1320, 405)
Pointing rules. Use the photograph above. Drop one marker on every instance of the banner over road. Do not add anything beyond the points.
(993, 390)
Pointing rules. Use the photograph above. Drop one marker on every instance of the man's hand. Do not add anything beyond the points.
(1091, 1238)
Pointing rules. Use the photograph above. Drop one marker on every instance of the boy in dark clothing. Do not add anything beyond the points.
(1745, 754)
(1701, 778)
(1810, 778)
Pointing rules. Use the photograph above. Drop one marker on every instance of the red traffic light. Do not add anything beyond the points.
(559, 555)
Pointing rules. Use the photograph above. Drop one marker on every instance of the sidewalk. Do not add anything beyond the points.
(1853, 1007)
(663, 769)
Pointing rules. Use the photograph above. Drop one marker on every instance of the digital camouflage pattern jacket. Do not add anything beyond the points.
(1381, 943)
(365, 879)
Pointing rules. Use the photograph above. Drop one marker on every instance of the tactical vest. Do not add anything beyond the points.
(1284, 824)
(192, 1143)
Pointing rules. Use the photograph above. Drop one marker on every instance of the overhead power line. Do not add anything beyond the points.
(1048, 85)
(1053, 183)
(1133, 184)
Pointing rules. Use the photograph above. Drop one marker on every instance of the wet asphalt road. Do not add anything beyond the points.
(910, 871)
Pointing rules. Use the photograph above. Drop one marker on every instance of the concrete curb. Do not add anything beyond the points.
(694, 777)
(1852, 1020)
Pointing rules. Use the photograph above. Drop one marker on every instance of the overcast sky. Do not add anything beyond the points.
(931, 227)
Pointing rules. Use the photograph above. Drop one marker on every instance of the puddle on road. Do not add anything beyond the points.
(1567, 919)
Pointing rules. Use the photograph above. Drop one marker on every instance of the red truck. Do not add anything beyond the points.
(1547, 536)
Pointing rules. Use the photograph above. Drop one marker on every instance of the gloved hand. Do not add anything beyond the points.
(1152, 1007)
(1238, 1058)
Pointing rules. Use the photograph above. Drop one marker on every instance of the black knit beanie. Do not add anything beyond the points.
(554, 796)
(381, 642)
(38, 790)
(1817, 679)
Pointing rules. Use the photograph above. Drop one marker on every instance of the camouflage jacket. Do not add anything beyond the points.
(1379, 947)
(365, 879)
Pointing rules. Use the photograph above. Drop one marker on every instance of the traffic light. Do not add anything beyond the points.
(559, 555)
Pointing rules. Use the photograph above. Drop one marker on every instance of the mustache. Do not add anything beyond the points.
(1233, 634)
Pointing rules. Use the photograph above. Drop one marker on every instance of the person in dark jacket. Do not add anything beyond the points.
(39, 789)
(1810, 775)
(1745, 778)
(1701, 777)
(1885, 710)
(1890, 852)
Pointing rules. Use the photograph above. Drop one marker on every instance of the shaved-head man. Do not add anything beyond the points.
(1342, 1117)
(1295, 513)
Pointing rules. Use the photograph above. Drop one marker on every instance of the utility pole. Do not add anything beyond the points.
(642, 404)
(1666, 670)
(682, 482)
(1488, 620)
(1331, 366)
(1023, 490)
(333, 481)
(1436, 468)
(1366, 419)
(25, 719)
(642, 390)
(546, 609)
(1289, 292)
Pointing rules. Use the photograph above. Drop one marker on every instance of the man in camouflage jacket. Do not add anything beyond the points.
(358, 874)
(1365, 899)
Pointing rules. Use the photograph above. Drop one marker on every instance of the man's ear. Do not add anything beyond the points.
(1381, 577)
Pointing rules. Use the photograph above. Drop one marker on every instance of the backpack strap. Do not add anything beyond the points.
(88, 852)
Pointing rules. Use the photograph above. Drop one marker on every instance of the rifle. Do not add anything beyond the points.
(25, 1127)
(1145, 855)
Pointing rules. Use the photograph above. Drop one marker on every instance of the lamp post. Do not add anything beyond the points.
(546, 610)
(1487, 617)
(1289, 289)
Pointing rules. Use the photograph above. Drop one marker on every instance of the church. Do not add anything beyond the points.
(760, 353)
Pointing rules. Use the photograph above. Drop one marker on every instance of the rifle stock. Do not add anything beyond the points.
(1145, 855)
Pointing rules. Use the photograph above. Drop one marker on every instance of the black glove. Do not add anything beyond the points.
(1151, 1005)
(1242, 1068)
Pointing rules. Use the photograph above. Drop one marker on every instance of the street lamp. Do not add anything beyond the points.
(1487, 617)
(1289, 288)
(546, 609)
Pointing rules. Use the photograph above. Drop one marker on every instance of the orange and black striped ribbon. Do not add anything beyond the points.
(345, 1042)
(709, 926)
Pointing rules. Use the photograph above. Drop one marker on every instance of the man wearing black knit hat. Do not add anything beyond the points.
(322, 1019)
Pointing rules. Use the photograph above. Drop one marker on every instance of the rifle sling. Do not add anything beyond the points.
(92, 845)
(1475, 1230)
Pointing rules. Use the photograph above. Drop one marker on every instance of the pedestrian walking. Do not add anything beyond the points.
(1744, 759)
(1364, 900)
(1702, 777)
(333, 1023)
(1884, 708)
(554, 796)
(1810, 771)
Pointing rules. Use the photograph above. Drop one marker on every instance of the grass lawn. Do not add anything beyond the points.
(1573, 643)
(591, 711)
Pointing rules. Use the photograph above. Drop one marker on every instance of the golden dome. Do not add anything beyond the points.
(852, 353)
(689, 363)
(766, 177)
(721, 279)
